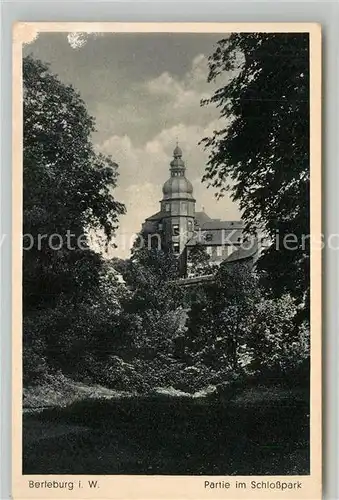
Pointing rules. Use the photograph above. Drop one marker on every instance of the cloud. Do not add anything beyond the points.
(194, 80)
(183, 94)
(164, 85)
(139, 109)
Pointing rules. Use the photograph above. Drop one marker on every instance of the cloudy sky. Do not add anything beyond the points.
(144, 91)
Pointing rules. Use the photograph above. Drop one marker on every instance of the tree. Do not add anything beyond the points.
(275, 342)
(155, 298)
(68, 189)
(235, 328)
(261, 154)
(218, 327)
(153, 316)
(198, 261)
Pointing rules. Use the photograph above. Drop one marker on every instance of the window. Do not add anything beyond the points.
(189, 225)
(176, 230)
(175, 206)
(167, 207)
(176, 247)
(219, 251)
(184, 207)
(226, 250)
(209, 250)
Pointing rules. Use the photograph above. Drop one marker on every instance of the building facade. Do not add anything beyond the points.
(178, 227)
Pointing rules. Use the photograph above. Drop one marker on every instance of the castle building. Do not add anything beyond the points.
(178, 227)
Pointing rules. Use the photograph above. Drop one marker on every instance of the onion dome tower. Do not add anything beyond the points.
(177, 205)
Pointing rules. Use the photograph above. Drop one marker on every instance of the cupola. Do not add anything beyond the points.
(177, 186)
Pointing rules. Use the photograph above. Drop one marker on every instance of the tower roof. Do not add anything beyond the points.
(177, 163)
(177, 153)
(177, 186)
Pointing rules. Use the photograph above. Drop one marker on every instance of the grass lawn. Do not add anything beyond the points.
(140, 436)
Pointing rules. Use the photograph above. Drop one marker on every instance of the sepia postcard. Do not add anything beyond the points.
(166, 261)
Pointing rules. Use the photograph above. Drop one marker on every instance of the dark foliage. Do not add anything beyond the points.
(261, 155)
(199, 261)
(67, 192)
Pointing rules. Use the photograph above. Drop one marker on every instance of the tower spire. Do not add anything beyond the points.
(177, 164)
(177, 153)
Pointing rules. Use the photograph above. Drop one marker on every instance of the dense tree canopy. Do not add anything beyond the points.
(261, 154)
(218, 324)
(199, 261)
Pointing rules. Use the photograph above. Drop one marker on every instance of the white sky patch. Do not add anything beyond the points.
(79, 39)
